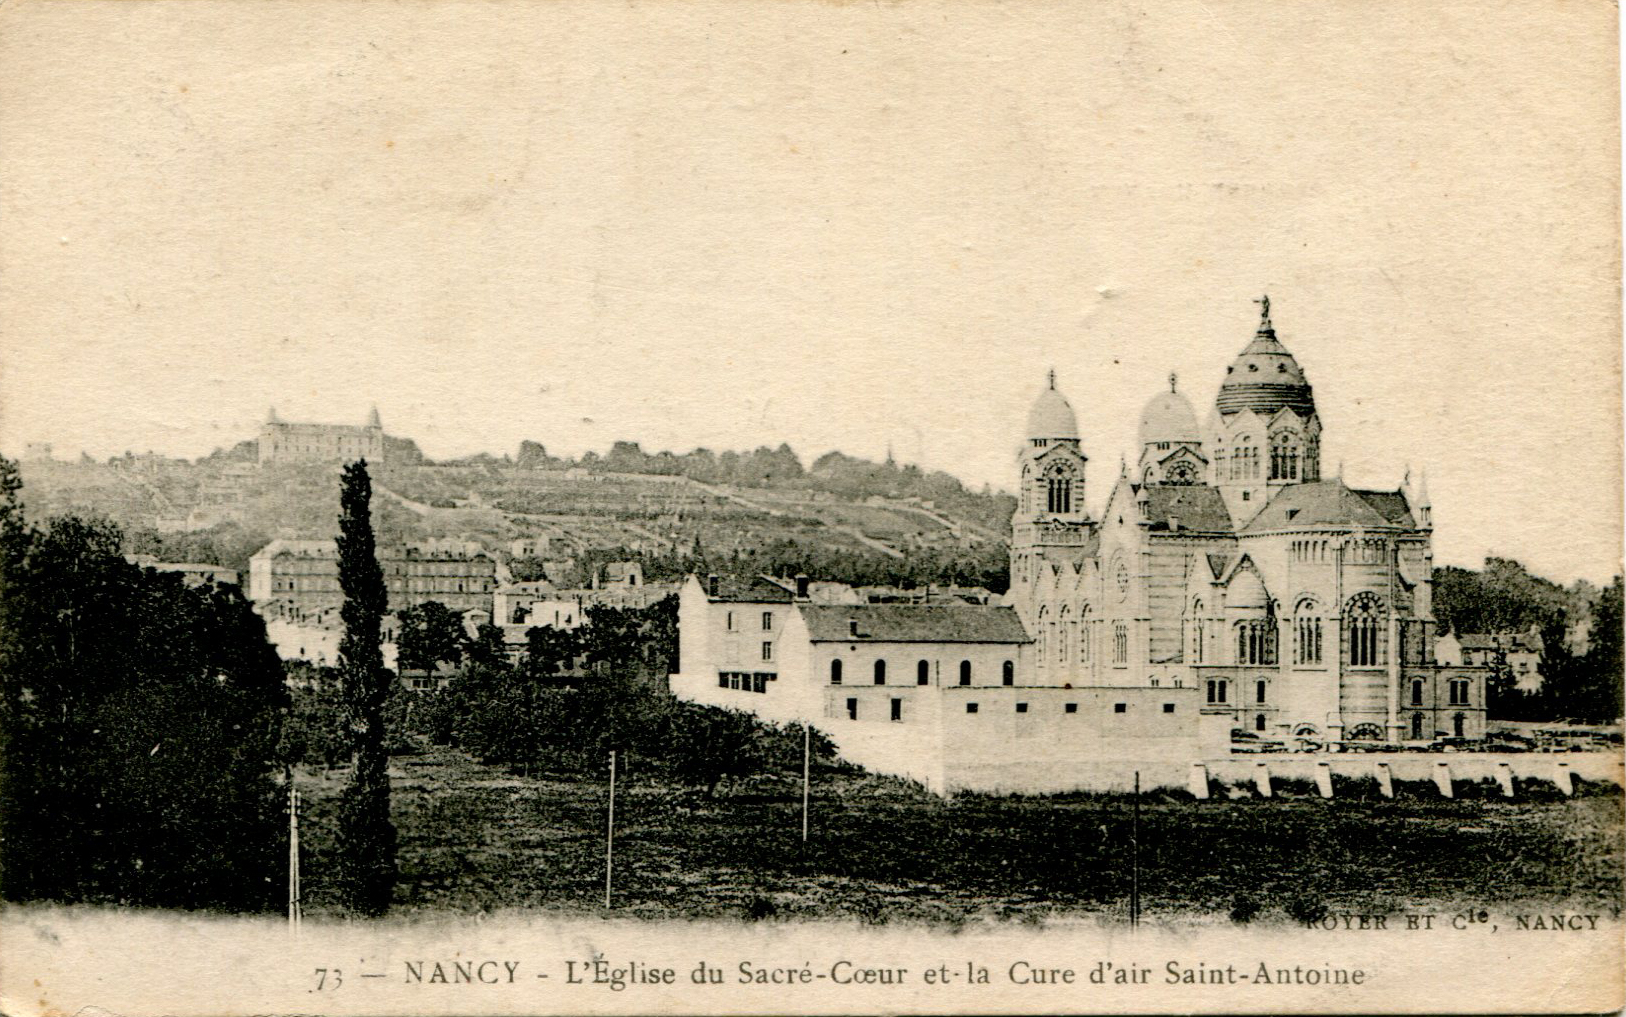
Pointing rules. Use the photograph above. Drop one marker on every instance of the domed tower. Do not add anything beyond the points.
(1051, 524)
(1264, 434)
(1171, 445)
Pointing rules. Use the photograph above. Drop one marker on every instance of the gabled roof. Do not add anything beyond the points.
(1194, 506)
(1218, 563)
(1491, 640)
(756, 590)
(1391, 505)
(913, 623)
(1330, 503)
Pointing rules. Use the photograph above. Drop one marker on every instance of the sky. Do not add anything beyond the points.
(837, 225)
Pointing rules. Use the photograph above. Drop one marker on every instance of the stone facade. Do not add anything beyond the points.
(282, 441)
(1226, 562)
(304, 575)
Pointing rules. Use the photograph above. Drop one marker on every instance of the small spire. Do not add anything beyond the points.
(1422, 488)
(1172, 380)
(1265, 328)
(1052, 377)
(271, 418)
(372, 418)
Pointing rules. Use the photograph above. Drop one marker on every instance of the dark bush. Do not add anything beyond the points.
(1244, 908)
(1305, 909)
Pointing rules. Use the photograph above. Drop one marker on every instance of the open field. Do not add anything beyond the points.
(476, 838)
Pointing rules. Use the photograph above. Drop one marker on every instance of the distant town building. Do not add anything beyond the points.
(1521, 650)
(534, 546)
(618, 574)
(283, 441)
(305, 574)
(37, 451)
(194, 574)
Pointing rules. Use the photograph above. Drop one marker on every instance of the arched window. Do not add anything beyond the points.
(1059, 491)
(1417, 692)
(835, 672)
(1007, 672)
(1307, 633)
(1256, 641)
(1063, 640)
(1259, 722)
(1120, 643)
(1363, 628)
(1284, 456)
(965, 672)
(1457, 724)
(1086, 636)
(880, 672)
(923, 673)
(1259, 691)
(1199, 632)
(1416, 726)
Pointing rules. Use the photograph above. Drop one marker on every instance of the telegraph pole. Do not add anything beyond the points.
(295, 906)
(1134, 859)
(609, 835)
(807, 758)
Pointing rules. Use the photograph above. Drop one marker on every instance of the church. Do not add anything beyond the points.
(1227, 596)
(1226, 561)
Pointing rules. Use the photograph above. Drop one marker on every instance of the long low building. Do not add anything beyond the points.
(305, 574)
(944, 694)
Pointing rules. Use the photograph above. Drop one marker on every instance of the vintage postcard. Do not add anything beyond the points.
(946, 506)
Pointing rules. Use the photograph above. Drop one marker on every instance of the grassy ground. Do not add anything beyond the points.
(477, 838)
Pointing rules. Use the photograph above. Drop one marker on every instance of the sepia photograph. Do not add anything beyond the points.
(815, 507)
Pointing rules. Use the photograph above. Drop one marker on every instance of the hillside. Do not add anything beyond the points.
(876, 521)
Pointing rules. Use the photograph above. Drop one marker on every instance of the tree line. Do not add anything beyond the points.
(1579, 629)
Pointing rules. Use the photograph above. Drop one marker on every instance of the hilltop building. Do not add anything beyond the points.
(283, 441)
(1227, 589)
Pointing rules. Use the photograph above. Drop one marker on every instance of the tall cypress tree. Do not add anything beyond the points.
(366, 840)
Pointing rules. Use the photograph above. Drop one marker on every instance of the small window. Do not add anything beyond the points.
(1259, 692)
(767, 651)
(1070, 708)
(1007, 672)
(1168, 707)
(923, 673)
(731, 621)
(1259, 722)
(1120, 707)
(897, 709)
(722, 679)
(1021, 707)
(880, 672)
(852, 709)
(965, 672)
(971, 708)
(767, 621)
(835, 672)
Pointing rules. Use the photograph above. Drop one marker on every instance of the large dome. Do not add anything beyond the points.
(1265, 377)
(1169, 418)
(1051, 416)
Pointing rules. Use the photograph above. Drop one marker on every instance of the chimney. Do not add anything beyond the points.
(801, 587)
(1174, 524)
(852, 626)
(712, 585)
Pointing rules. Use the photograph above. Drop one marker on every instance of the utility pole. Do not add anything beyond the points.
(295, 906)
(609, 835)
(1134, 859)
(807, 758)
